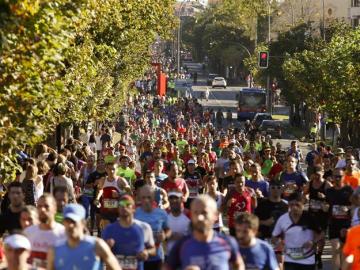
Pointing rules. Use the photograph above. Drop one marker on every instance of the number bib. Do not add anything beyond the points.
(111, 203)
(127, 262)
(315, 205)
(295, 253)
(88, 192)
(193, 192)
(340, 212)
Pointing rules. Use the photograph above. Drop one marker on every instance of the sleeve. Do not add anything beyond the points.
(105, 234)
(148, 235)
(172, 261)
(304, 178)
(348, 247)
(235, 254)
(272, 262)
(278, 228)
(165, 225)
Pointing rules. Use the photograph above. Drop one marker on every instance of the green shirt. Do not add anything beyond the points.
(181, 145)
(127, 173)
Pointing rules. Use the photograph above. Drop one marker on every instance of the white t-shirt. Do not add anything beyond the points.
(219, 200)
(98, 143)
(295, 236)
(179, 224)
(148, 233)
(42, 240)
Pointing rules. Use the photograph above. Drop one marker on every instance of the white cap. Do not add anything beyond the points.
(175, 193)
(191, 161)
(17, 241)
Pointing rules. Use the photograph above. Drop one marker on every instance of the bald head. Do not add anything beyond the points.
(204, 214)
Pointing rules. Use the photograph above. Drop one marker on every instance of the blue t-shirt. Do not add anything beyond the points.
(297, 178)
(262, 185)
(128, 243)
(259, 256)
(158, 221)
(81, 257)
(310, 157)
(218, 254)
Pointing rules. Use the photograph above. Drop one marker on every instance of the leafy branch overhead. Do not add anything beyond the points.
(62, 60)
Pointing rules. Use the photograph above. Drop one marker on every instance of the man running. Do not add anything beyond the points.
(204, 248)
(131, 240)
(80, 251)
(256, 253)
(45, 235)
(17, 250)
(300, 233)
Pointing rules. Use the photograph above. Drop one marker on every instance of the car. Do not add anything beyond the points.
(259, 117)
(218, 82)
(211, 78)
(271, 127)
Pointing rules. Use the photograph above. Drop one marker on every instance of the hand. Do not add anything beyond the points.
(192, 267)
(97, 203)
(308, 245)
(143, 255)
(110, 242)
(269, 221)
(321, 195)
(160, 237)
(230, 202)
(258, 193)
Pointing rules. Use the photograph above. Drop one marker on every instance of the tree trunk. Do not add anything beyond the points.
(344, 132)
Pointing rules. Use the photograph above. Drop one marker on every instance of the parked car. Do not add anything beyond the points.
(219, 82)
(271, 127)
(259, 117)
(211, 77)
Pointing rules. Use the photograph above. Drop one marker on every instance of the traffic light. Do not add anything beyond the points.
(263, 59)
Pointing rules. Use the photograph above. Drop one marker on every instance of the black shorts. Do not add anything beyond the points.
(297, 266)
(335, 227)
(321, 218)
(111, 217)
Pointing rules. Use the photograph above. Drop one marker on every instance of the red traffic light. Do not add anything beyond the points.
(263, 59)
(263, 55)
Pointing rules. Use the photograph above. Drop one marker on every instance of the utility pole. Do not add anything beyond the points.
(269, 41)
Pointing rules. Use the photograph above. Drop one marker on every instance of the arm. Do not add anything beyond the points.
(50, 259)
(165, 199)
(103, 251)
(100, 185)
(185, 192)
(124, 185)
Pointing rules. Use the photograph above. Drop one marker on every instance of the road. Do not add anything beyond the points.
(226, 99)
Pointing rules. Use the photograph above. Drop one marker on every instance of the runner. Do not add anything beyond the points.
(161, 196)
(338, 198)
(10, 219)
(80, 251)
(179, 222)
(293, 179)
(351, 249)
(175, 183)
(61, 196)
(256, 253)
(45, 235)
(212, 191)
(193, 181)
(17, 250)
(242, 199)
(157, 219)
(204, 248)
(317, 204)
(131, 240)
(124, 171)
(300, 233)
(110, 188)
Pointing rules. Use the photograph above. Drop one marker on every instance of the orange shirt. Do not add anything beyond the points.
(352, 180)
(352, 246)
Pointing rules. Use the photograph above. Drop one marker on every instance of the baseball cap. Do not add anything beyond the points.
(17, 241)
(75, 212)
(191, 161)
(175, 194)
(127, 197)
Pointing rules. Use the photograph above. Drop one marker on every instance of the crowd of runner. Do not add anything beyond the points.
(177, 191)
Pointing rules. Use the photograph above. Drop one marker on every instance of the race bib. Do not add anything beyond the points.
(315, 205)
(88, 192)
(289, 188)
(127, 262)
(340, 211)
(193, 192)
(295, 253)
(36, 262)
(111, 203)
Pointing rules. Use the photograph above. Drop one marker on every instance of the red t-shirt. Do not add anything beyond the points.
(240, 202)
(277, 168)
(178, 185)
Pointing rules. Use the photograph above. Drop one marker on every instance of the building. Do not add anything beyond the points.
(354, 13)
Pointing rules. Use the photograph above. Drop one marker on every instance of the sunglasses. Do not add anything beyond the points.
(125, 203)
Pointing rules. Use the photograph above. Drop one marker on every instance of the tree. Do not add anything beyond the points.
(70, 61)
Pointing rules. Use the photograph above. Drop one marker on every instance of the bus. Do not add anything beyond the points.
(250, 102)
